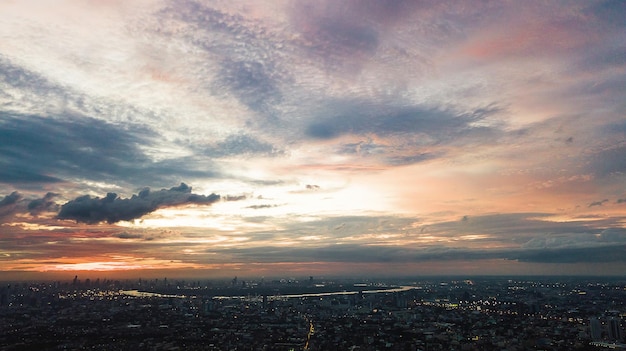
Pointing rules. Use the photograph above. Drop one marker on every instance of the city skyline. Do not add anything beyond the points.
(220, 138)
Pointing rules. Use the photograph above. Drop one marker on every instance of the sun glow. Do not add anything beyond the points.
(113, 264)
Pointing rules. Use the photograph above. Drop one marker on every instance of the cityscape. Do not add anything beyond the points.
(311, 313)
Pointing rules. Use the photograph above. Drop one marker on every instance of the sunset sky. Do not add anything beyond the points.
(267, 138)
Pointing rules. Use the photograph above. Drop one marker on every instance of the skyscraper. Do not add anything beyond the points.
(614, 329)
(596, 329)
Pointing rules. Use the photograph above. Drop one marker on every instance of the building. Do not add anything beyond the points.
(596, 329)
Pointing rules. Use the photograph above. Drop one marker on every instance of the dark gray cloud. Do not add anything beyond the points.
(615, 128)
(516, 227)
(17, 206)
(613, 235)
(359, 253)
(113, 209)
(562, 241)
(361, 118)
(235, 197)
(45, 204)
(38, 149)
(258, 207)
(608, 12)
(609, 161)
(48, 148)
(531, 231)
(126, 235)
(16, 203)
(613, 253)
(387, 254)
(10, 199)
(9, 204)
(620, 201)
(28, 174)
(322, 131)
(598, 203)
(411, 159)
(241, 145)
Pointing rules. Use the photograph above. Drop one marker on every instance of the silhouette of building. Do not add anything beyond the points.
(596, 329)
(614, 329)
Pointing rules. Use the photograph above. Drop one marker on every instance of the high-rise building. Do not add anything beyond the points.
(4, 297)
(596, 329)
(614, 329)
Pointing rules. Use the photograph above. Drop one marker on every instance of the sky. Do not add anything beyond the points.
(312, 138)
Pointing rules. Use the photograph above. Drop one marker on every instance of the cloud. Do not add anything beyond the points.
(22, 88)
(47, 149)
(54, 149)
(613, 253)
(613, 235)
(343, 35)
(598, 203)
(356, 253)
(245, 52)
(235, 197)
(242, 145)
(112, 209)
(258, 207)
(608, 12)
(411, 159)
(435, 124)
(597, 245)
(24, 208)
(10, 199)
(44, 204)
(620, 201)
(251, 82)
(9, 204)
(551, 241)
(126, 235)
(610, 161)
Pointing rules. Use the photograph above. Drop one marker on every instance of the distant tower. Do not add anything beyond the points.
(207, 306)
(401, 301)
(4, 297)
(596, 329)
(614, 329)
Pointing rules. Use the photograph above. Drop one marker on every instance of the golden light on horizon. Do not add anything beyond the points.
(116, 263)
